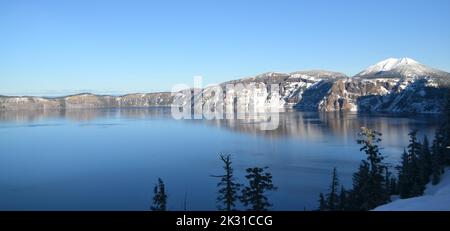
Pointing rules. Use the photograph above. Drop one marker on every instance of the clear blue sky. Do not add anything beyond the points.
(110, 46)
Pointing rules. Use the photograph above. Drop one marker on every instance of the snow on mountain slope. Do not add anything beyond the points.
(318, 74)
(435, 198)
(400, 68)
(388, 65)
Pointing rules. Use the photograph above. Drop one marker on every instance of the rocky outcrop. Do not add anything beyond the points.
(383, 95)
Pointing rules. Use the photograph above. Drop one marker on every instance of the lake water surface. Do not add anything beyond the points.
(110, 159)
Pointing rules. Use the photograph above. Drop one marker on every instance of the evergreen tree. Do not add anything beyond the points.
(440, 156)
(359, 196)
(160, 197)
(394, 187)
(417, 188)
(322, 203)
(413, 153)
(425, 161)
(342, 199)
(369, 141)
(228, 188)
(411, 180)
(445, 131)
(414, 149)
(253, 195)
(436, 166)
(375, 190)
(440, 141)
(404, 179)
(413, 146)
(389, 190)
(332, 196)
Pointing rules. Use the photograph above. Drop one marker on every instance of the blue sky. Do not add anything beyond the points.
(111, 46)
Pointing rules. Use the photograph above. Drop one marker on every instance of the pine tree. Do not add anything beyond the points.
(228, 188)
(445, 131)
(359, 196)
(369, 141)
(425, 161)
(376, 190)
(404, 179)
(322, 203)
(394, 187)
(436, 167)
(440, 156)
(440, 141)
(160, 197)
(332, 196)
(414, 145)
(414, 152)
(388, 183)
(342, 199)
(253, 195)
(416, 167)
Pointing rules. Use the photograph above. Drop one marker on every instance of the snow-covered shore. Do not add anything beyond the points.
(435, 198)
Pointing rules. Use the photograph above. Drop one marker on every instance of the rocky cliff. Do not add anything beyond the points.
(85, 100)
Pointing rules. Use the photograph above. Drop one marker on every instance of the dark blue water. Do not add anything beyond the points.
(111, 159)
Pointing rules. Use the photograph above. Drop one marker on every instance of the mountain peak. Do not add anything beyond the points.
(391, 64)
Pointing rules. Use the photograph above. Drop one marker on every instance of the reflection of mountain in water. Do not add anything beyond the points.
(309, 125)
(314, 126)
(27, 116)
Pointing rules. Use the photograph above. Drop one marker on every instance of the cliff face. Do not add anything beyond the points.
(418, 95)
(393, 85)
(274, 90)
(85, 101)
(28, 103)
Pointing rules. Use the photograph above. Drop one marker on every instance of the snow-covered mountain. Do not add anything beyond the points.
(392, 65)
(400, 68)
(392, 85)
